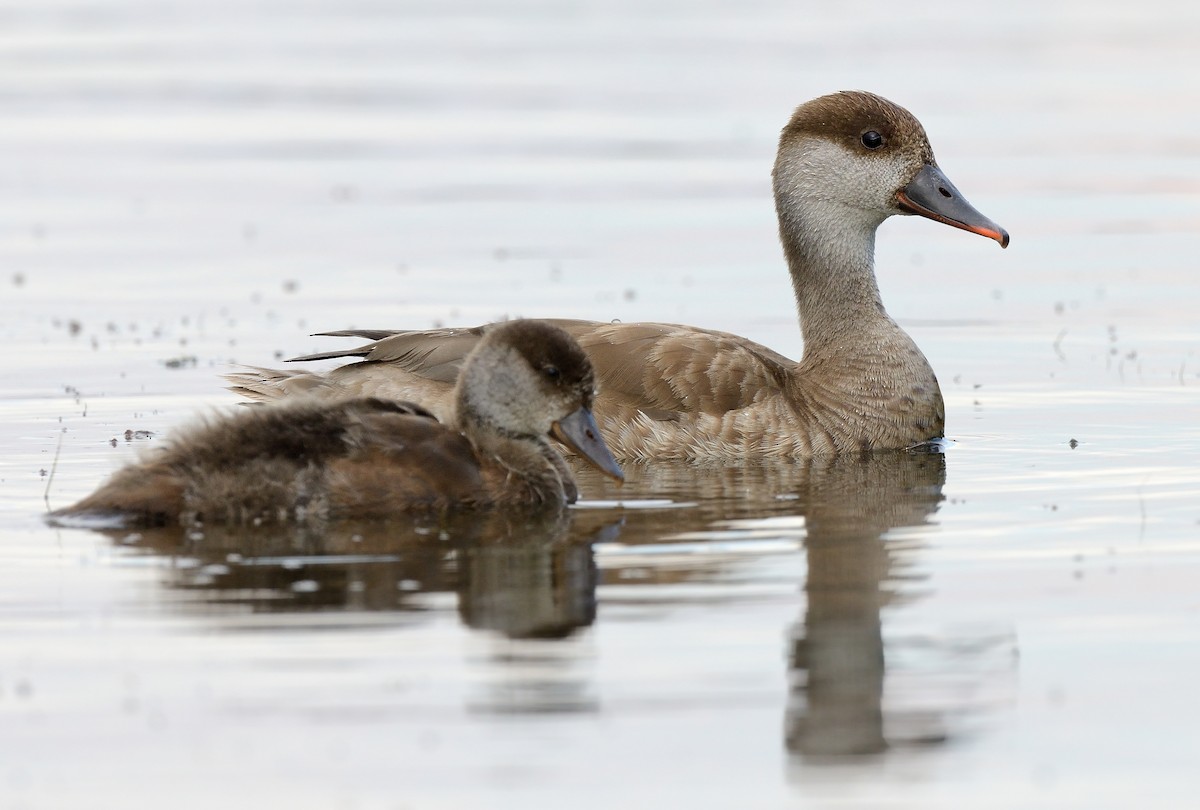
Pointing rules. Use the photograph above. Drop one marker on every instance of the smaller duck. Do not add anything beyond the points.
(313, 461)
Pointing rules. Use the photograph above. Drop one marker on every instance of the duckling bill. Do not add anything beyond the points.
(368, 458)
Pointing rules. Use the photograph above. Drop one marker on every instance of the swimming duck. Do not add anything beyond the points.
(314, 460)
(846, 162)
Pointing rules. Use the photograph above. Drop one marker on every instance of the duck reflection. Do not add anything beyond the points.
(523, 575)
(529, 582)
(836, 658)
(856, 567)
(545, 589)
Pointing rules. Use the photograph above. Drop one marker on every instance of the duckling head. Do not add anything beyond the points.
(526, 380)
(849, 160)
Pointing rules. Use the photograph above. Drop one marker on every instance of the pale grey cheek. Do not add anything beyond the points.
(822, 170)
(872, 182)
(896, 177)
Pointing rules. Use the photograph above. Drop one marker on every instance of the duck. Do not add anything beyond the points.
(846, 162)
(315, 460)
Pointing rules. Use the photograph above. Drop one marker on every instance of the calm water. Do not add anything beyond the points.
(1014, 623)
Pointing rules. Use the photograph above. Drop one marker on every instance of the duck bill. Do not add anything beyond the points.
(931, 194)
(580, 432)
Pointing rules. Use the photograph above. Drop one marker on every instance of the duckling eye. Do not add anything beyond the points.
(551, 372)
(871, 139)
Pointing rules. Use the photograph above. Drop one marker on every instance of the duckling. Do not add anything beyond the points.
(846, 162)
(318, 460)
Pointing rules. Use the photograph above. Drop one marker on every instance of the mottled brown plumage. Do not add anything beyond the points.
(846, 162)
(315, 460)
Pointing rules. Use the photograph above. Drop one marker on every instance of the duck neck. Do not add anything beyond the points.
(832, 264)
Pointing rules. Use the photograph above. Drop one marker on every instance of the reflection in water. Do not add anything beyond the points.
(528, 579)
(857, 565)
(529, 590)
(522, 575)
(530, 582)
(836, 659)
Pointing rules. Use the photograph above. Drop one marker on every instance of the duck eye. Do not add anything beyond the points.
(871, 139)
(551, 372)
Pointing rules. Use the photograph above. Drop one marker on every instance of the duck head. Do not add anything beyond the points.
(854, 159)
(528, 380)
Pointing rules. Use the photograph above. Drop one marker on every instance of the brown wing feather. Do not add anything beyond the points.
(664, 369)
(365, 334)
(435, 354)
(660, 369)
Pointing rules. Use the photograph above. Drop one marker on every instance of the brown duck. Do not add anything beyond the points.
(846, 162)
(314, 460)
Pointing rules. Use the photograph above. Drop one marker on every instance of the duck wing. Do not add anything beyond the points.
(665, 370)
(434, 354)
(660, 369)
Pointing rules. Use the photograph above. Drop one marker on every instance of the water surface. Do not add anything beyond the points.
(1009, 624)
